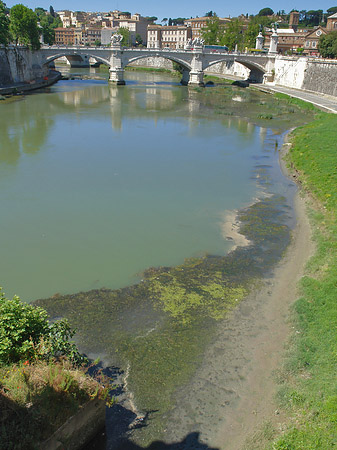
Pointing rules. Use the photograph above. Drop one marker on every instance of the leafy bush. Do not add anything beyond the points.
(25, 333)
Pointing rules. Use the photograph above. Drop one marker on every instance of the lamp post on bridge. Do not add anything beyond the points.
(273, 41)
(259, 40)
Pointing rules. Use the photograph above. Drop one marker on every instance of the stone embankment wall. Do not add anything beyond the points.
(311, 74)
(19, 65)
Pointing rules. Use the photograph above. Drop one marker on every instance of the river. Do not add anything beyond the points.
(117, 204)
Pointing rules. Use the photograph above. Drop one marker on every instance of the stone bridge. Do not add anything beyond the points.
(192, 60)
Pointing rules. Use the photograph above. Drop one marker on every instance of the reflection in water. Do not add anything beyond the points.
(25, 124)
(23, 129)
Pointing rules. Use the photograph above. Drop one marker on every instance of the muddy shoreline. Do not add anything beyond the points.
(241, 364)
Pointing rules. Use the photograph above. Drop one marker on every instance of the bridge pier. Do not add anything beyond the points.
(185, 77)
(197, 73)
(116, 71)
(116, 75)
(196, 78)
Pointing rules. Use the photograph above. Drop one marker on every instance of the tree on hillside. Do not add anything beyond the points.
(152, 19)
(4, 25)
(126, 41)
(213, 32)
(48, 24)
(51, 11)
(178, 21)
(23, 26)
(210, 14)
(328, 45)
(139, 40)
(266, 12)
(39, 12)
(164, 21)
(253, 29)
(331, 10)
(234, 35)
(311, 18)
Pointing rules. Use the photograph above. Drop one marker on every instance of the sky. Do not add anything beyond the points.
(177, 8)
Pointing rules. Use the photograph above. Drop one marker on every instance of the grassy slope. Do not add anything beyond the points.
(308, 380)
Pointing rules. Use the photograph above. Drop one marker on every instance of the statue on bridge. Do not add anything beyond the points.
(198, 42)
(116, 39)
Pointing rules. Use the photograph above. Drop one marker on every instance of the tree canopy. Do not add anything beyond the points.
(4, 25)
(253, 29)
(48, 24)
(328, 45)
(213, 32)
(234, 35)
(152, 19)
(266, 12)
(23, 26)
(332, 10)
(125, 32)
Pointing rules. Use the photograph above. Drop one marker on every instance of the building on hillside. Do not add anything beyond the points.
(289, 41)
(91, 35)
(135, 23)
(159, 36)
(72, 19)
(311, 41)
(198, 23)
(294, 20)
(68, 36)
(331, 24)
(64, 36)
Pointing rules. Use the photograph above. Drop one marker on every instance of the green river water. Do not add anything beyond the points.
(114, 206)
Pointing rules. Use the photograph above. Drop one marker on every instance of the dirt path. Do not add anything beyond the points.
(233, 393)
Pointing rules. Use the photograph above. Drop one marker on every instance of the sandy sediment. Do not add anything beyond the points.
(230, 230)
(233, 393)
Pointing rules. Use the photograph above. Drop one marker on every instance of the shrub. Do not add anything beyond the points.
(25, 333)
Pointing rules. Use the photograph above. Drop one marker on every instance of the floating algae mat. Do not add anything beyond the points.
(157, 329)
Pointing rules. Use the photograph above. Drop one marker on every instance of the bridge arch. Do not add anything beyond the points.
(49, 59)
(257, 71)
(179, 61)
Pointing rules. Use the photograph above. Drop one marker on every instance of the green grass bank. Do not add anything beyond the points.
(308, 383)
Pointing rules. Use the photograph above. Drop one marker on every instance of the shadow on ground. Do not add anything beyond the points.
(118, 434)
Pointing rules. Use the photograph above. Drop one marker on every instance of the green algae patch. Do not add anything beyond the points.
(157, 330)
(258, 107)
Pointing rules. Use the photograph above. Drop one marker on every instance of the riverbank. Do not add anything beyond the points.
(246, 352)
(288, 401)
(38, 83)
(307, 379)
